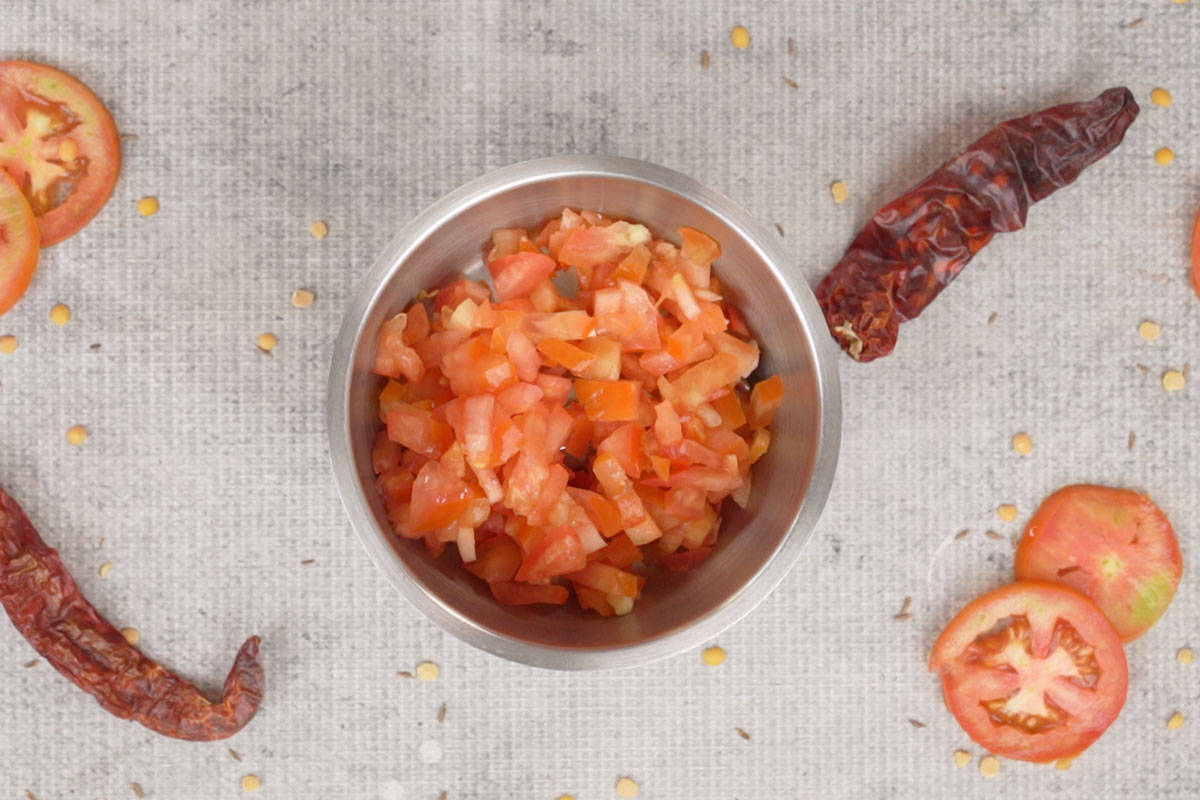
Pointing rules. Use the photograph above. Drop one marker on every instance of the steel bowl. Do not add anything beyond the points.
(757, 547)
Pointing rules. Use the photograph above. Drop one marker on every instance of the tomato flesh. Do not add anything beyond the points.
(1114, 545)
(60, 145)
(18, 243)
(1032, 671)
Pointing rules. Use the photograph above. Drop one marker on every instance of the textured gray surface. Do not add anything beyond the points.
(205, 481)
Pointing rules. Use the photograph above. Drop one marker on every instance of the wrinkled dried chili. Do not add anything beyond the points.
(914, 246)
(47, 607)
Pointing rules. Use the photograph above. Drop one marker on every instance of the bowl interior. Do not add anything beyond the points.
(749, 539)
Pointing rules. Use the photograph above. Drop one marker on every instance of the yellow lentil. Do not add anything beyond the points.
(1185, 655)
(147, 206)
(105, 568)
(627, 788)
(1022, 443)
(8, 344)
(1175, 722)
(60, 315)
(1160, 97)
(1007, 512)
(1173, 380)
(713, 656)
(1164, 155)
(68, 150)
(1149, 330)
(961, 758)
(1179, 2)
(565, 797)
(319, 230)
(267, 342)
(77, 435)
(250, 783)
(1064, 763)
(839, 191)
(427, 671)
(131, 635)
(740, 37)
(302, 298)
(989, 766)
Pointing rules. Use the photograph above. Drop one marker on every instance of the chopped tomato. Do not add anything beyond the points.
(18, 243)
(1114, 545)
(1032, 671)
(765, 400)
(59, 144)
(551, 433)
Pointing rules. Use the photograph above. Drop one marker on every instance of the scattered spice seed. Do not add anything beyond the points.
(250, 783)
(30, 795)
(1179, 2)
(742, 734)
(443, 795)
(404, 674)
(319, 230)
(989, 766)
(1149, 330)
(1064, 763)
(1164, 156)
(1141, 367)
(902, 616)
(962, 534)
(137, 790)
(1007, 512)
(1175, 722)
(904, 608)
(147, 206)
(308, 561)
(8, 344)
(1160, 97)
(993, 535)
(441, 717)
(77, 435)
(790, 82)
(95, 346)
(779, 228)
(713, 656)
(791, 47)
(1184, 656)
(627, 788)
(105, 568)
(1173, 380)
(234, 754)
(565, 797)
(266, 342)
(1137, 22)
(1022, 443)
(34, 663)
(961, 758)
(704, 59)
(916, 723)
(1132, 439)
(839, 191)
(740, 37)
(131, 635)
(302, 298)
(60, 315)
(427, 671)
(995, 315)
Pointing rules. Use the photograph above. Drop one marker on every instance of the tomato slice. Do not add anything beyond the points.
(1114, 545)
(18, 243)
(1032, 671)
(59, 143)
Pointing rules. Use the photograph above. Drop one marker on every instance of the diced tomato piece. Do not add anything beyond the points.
(489, 483)
(746, 353)
(416, 429)
(708, 479)
(459, 290)
(566, 325)
(385, 454)
(565, 354)
(610, 474)
(523, 355)
(433, 348)
(514, 593)
(580, 437)
(620, 552)
(684, 560)
(556, 483)
(555, 388)
(633, 266)
(606, 359)
(558, 430)
(625, 444)
(394, 358)
(506, 241)
(636, 303)
(608, 401)
(667, 429)
(661, 466)
(519, 398)
(393, 392)
(557, 553)
(760, 444)
(586, 247)
(765, 400)
(606, 578)
(591, 599)
(702, 381)
(518, 274)
(476, 435)
(472, 368)
(729, 407)
(686, 502)
(438, 498)
(599, 508)
(698, 248)
(417, 327)
(737, 323)
(395, 486)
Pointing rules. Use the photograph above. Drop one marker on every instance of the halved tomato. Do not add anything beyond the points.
(1114, 545)
(18, 243)
(59, 143)
(1032, 671)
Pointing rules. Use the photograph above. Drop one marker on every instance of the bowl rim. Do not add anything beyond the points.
(374, 539)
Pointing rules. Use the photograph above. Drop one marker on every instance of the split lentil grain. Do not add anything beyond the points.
(989, 766)
(1164, 156)
(740, 37)
(147, 206)
(77, 435)
(1160, 97)
(1064, 763)
(1175, 722)
(131, 635)
(250, 783)
(60, 315)
(839, 191)
(427, 671)
(9, 344)
(961, 758)
(302, 298)
(319, 230)
(627, 788)
(713, 656)
(1149, 330)
(1173, 380)
(1007, 512)
(1022, 443)
(1185, 655)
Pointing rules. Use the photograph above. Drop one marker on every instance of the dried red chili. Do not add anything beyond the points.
(914, 246)
(47, 607)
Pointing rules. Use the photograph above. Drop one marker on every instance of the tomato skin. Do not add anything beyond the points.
(25, 85)
(968, 682)
(18, 243)
(1113, 545)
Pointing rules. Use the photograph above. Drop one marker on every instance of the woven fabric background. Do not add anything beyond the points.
(205, 480)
